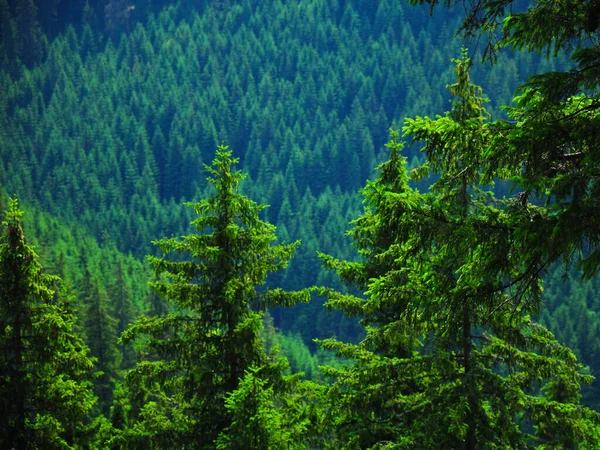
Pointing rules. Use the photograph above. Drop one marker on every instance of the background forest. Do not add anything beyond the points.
(110, 109)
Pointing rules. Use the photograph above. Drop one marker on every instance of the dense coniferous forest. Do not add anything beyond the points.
(430, 287)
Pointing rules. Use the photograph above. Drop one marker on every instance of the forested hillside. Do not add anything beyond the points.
(110, 110)
(303, 92)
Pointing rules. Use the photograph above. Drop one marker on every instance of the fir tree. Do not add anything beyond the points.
(124, 313)
(202, 350)
(45, 373)
(549, 149)
(452, 358)
(100, 329)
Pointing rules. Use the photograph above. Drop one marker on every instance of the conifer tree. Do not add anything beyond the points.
(45, 373)
(256, 422)
(198, 354)
(549, 149)
(29, 34)
(124, 313)
(100, 329)
(452, 358)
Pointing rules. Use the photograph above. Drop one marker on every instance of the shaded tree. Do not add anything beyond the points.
(100, 328)
(124, 313)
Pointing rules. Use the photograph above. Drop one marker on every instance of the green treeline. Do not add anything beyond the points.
(429, 333)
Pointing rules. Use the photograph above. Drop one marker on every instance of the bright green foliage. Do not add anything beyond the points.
(451, 358)
(199, 353)
(256, 422)
(107, 124)
(543, 25)
(262, 418)
(549, 150)
(45, 373)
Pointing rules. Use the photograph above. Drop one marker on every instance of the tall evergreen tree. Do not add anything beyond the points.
(124, 313)
(549, 150)
(203, 349)
(45, 373)
(29, 34)
(100, 329)
(452, 358)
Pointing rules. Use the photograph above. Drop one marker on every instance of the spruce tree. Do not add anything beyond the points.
(549, 149)
(45, 373)
(124, 313)
(255, 420)
(452, 357)
(197, 354)
(100, 329)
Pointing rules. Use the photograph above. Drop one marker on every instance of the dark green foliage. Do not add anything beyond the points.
(125, 312)
(100, 328)
(21, 38)
(109, 134)
(539, 25)
(206, 345)
(45, 373)
(571, 308)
